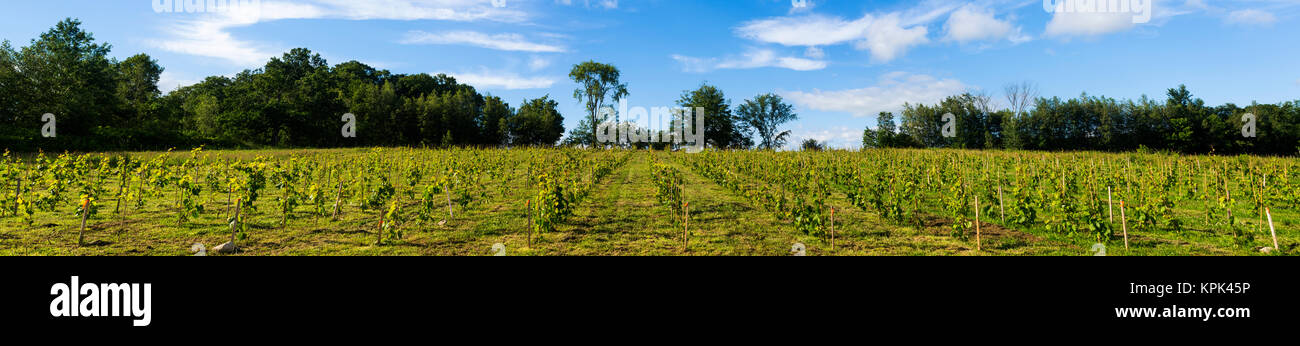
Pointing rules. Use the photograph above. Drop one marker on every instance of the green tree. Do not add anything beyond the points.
(598, 86)
(1184, 116)
(812, 145)
(765, 114)
(68, 74)
(870, 139)
(721, 128)
(495, 113)
(538, 122)
(138, 85)
(11, 96)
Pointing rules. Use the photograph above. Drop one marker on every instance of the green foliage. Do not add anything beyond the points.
(722, 129)
(598, 87)
(765, 114)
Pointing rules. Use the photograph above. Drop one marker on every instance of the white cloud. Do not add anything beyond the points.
(889, 95)
(208, 35)
(971, 23)
(1066, 24)
(811, 30)
(841, 137)
(450, 10)
(1251, 17)
(506, 42)
(887, 39)
(1091, 23)
(502, 80)
(886, 36)
(607, 4)
(169, 81)
(758, 58)
(210, 39)
(814, 53)
(537, 63)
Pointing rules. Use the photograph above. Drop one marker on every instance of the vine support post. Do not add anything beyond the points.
(121, 187)
(686, 228)
(978, 246)
(832, 229)
(1124, 223)
(338, 200)
(1271, 229)
(450, 214)
(1002, 209)
(529, 209)
(379, 235)
(85, 211)
(1110, 205)
(18, 188)
(234, 225)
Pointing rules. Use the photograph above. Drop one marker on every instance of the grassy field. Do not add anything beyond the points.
(620, 214)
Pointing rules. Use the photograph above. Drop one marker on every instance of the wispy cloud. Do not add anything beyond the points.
(886, 36)
(488, 79)
(1251, 17)
(506, 42)
(973, 23)
(208, 34)
(889, 95)
(841, 137)
(169, 81)
(607, 4)
(758, 58)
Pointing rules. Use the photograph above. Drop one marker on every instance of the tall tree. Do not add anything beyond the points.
(137, 85)
(11, 95)
(765, 114)
(721, 128)
(598, 86)
(495, 112)
(537, 123)
(69, 75)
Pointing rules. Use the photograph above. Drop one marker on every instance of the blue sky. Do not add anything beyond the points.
(838, 62)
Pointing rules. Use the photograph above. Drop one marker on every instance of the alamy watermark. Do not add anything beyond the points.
(638, 125)
(240, 7)
(1141, 9)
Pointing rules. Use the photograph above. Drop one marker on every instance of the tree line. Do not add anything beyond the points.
(296, 100)
(1179, 123)
(299, 100)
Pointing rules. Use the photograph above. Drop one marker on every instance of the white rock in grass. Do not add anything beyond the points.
(1266, 250)
(227, 248)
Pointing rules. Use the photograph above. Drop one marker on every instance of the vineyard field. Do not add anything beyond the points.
(562, 202)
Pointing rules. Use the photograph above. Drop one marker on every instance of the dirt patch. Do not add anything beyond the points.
(99, 243)
(943, 227)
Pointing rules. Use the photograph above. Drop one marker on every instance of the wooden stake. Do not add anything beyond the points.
(977, 223)
(450, 214)
(686, 230)
(1002, 209)
(120, 188)
(529, 207)
(338, 200)
(832, 229)
(85, 211)
(379, 238)
(239, 203)
(1110, 205)
(18, 187)
(1271, 230)
(1124, 222)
